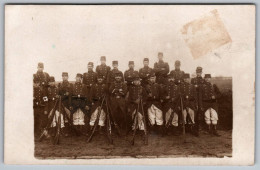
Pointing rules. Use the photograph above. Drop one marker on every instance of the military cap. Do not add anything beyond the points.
(103, 58)
(91, 64)
(160, 53)
(65, 74)
(146, 59)
(79, 75)
(51, 79)
(207, 76)
(40, 65)
(170, 76)
(199, 70)
(186, 75)
(114, 62)
(177, 63)
(99, 76)
(35, 79)
(131, 62)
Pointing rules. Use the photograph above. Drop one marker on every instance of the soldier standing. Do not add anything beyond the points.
(170, 98)
(153, 104)
(117, 91)
(39, 105)
(198, 82)
(98, 92)
(111, 74)
(145, 72)
(42, 77)
(103, 69)
(177, 72)
(130, 74)
(161, 70)
(210, 94)
(64, 90)
(189, 105)
(90, 77)
(79, 104)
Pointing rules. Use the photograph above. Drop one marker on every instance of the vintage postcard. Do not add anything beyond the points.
(130, 84)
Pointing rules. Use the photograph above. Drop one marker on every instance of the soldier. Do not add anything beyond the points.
(198, 81)
(52, 98)
(170, 99)
(153, 104)
(161, 70)
(188, 97)
(103, 69)
(210, 94)
(43, 77)
(90, 77)
(136, 93)
(64, 90)
(111, 74)
(117, 91)
(145, 72)
(79, 104)
(39, 105)
(98, 92)
(177, 73)
(130, 74)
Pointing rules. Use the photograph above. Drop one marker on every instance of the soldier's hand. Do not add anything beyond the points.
(150, 95)
(71, 108)
(87, 108)
(120, 90)
(167, 97)
(57, 96)
(67, 93)
(187, 97)
(162, 68)
(161, 100)
(137, 101)
(213, 97)
(45, 112)
(196, 85)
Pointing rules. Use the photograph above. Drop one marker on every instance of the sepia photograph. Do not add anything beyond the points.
(138, 82)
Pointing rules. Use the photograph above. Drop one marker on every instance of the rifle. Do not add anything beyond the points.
(97, 120)
(183, 122)
(113, 120)
(109, 127)
(145, 125)
(58, 125)
(135, 124)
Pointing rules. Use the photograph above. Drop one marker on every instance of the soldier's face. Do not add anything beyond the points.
(207, 80)
(100, 80)
(115, 66)
(177, 66)
(131, 66)
(40, 69)
(90, 67)
(146, 63)
(52, 83)
(187, 80)
(118, 78)
(160, 56)
(152, 79)
(103, 62)
(136, 82)
(65, 78)
(78, 79)
(198, 74)
(171, 79)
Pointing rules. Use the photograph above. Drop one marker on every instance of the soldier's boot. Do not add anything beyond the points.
(52, 131)
(161, 130)
(215, 131)
(152, 130)
(66, 129)
(209, 129)
(175, 131)
(101, 130)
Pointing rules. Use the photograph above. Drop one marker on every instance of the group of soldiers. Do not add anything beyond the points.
(168, 99)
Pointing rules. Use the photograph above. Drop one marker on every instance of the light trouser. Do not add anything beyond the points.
(175, 117)
(94, 115)
(56, 118)
(155, 115)
(78, 117)
(140, 121)
(191, 115)
(211, 116)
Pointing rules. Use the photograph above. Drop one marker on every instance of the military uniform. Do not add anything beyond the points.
(103, 69)
(117, 91)
(153, 104)
(98, 92)
(64, 90)
(42, 77)
(161, 70)
(144, 74)
(39, 106)
(89, 79)
(112, 73)
(171, 105)
(129, 75)
(177, 73)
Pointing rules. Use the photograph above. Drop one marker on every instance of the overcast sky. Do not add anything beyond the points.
(66, 38)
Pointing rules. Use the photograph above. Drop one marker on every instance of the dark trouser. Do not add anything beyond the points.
(118, 110)
(40, 120)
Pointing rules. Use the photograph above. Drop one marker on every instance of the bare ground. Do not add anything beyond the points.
(168, 146)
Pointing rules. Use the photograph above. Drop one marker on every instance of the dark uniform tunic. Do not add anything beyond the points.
(135, 92)
(198, 82)
(172, 90)
(144, 74)
(98, 91)
(89, 79)
(178, 76)
(111, 76)
(103, 70)
(64, 90)
(129, 76)
(79, 97)
(161, 75)
(209, 90)
(43, 78)
(188, 95)
(117, 101)
(52, 97)
(153, 91)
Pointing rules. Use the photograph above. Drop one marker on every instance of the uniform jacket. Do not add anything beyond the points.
(64, 90)
(161, 75)
(188, 95)
(153, 91)
(114, 90)
(198, 83)
(178, 76)
(98, 91)
(209, 90)
(38, 98)
(79, 96)
(129, 76)
(144, 74)
(172, 90)
(103, 70)
(43, 78)
(52, 93)
(136, 92)
(89, 78)
(111, 76)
